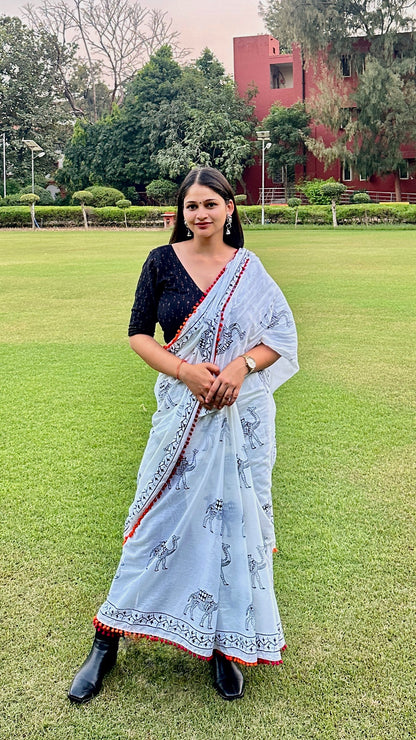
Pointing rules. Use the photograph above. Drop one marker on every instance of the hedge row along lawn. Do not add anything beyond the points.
(76, 408)
(139, 216)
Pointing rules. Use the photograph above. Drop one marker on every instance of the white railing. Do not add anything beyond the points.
(277, 195)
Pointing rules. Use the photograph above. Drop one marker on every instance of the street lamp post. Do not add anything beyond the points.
(39, 153)
(263, 136)
(4, 166)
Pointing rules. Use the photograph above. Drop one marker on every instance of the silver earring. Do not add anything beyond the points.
(188, 232)
(228, 222)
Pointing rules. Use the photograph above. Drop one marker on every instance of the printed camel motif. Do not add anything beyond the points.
(249, 427)
(184, 467)
(227, 336)
(226, 560)
(255, 566)
(161, 552)
(205, 603)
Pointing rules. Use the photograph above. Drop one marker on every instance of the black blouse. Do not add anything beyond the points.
(165, 293)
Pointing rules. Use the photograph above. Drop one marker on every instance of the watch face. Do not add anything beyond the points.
(251, 363)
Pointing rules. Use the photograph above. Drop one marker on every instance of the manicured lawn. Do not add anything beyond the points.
(76, 406)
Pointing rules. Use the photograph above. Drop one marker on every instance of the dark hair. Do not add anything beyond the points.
(213, 179)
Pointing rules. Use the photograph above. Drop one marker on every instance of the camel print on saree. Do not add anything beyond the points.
(197, 558)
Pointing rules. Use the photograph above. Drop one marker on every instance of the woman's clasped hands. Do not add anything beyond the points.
(214, 388)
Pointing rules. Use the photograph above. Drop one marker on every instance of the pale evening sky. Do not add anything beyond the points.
(211, 23)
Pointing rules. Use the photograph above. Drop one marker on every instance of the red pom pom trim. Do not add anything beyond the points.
(113, 632)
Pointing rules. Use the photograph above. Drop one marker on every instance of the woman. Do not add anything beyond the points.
(196, 568)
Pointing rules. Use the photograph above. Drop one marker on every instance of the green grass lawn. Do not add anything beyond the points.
(76, 407)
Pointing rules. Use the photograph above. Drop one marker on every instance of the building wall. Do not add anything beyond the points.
(280, 78)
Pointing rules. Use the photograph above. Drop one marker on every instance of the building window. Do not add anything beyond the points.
(404, 169)
(363, 176)
(346, 172)
(345, 62)
(360, 64)
(281, 76)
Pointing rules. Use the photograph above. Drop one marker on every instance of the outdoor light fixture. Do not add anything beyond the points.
(34, 147)
(4, 166)
(263, 136)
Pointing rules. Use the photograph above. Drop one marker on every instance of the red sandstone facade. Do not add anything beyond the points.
(281, 78)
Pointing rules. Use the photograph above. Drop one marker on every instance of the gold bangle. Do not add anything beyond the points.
(178, 368)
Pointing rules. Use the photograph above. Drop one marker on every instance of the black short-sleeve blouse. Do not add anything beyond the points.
(165, 294)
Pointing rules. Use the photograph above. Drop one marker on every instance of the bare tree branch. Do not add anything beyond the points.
(120, 35)
(57, 22)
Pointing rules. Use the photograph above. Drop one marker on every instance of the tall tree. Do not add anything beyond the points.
(172, 118)
(212, 125)
(30, 98)
(332, 26)
(289, 128)
(116, 37)
(371, 119)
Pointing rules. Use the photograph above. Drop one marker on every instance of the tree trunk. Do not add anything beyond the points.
(285, 182)
(397, 186)
(296, 217)
(32, 214)
(84, 213)
(334, 214)
(125, 218)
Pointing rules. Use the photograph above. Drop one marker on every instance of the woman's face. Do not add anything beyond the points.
(205, 211)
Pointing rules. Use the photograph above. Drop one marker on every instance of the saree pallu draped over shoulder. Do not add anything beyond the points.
(196, 567)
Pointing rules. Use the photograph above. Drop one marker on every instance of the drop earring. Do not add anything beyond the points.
(188, 232)
(228, 222)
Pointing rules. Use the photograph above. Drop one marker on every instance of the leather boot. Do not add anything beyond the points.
(229, 680)
(87, 682)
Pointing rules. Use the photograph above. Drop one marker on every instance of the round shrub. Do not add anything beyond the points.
(360, 198)
(123, 203)
(104, 196)
(29, 198)
(294, 202)
(162, 192)
(333, 190)
(84, 197)
(45, 198)
(241, 198)
(313, 191)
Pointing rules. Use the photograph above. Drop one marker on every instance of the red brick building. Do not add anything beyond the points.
(281, 78)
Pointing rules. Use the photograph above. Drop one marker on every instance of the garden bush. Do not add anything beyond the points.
(162, 192)
(148, 216)
(45, 198)
(313, 191)
(11, 200)
(360, 196)
(104, 196)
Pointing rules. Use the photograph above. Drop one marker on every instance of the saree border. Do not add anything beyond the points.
(188, 425)
(115, 632)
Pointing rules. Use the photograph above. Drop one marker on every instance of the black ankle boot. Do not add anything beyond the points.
(229, 680)
(88, 680)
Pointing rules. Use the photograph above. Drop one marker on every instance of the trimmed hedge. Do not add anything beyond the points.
(360, 213)
(146, 216)
(71, 216)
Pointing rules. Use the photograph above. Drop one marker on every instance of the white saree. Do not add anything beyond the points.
(196, 567)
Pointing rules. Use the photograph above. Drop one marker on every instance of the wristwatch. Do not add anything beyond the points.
(250, 363)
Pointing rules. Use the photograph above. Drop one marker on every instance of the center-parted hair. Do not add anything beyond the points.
(213, 179)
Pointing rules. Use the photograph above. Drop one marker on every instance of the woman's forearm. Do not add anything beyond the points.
(263, 356)
(198, 378)
(155, 355)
